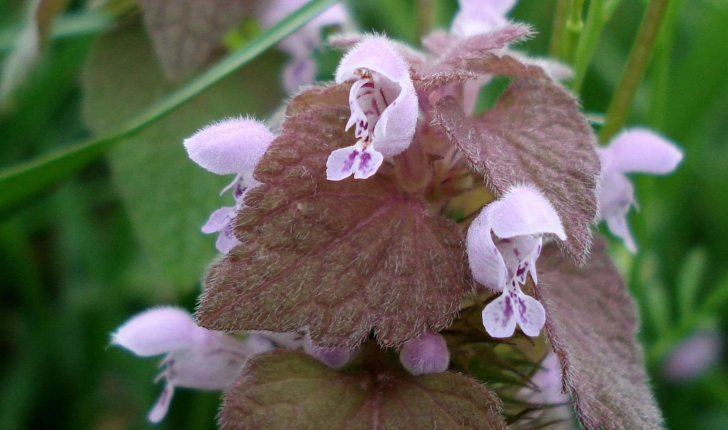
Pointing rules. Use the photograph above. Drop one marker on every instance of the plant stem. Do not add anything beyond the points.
(557, 32)
(639, 58)
(595, 20)
(573, 28)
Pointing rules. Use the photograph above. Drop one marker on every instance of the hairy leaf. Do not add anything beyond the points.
(340, 257)
(168, 197)
(185, 32)
(591, 322)
(285, 390)
(453, 51)
(534, 134)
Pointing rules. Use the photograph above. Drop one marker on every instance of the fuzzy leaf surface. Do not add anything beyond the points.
(343, 258)
(289, 390)
(185, 32)
(534, 134)
(168, 197)
(591, 322)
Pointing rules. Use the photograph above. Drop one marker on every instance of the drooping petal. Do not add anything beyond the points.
(230, 146)
(499, 316)
(226, 240)
(618, 226)
(486, 261)
(512, 308)
(523, 210)
(158, 331)
(161, 406)
(218, 220)
(376, 54)
(425, 355)
(344, 162)
(641, 150)
(520, 254)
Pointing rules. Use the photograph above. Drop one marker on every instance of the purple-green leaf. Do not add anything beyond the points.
(343, 258)
(534, 134)
(283, 390)
(591, 322)
(185, 32)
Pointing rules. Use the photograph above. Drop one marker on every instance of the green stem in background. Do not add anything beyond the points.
(21, 182)
(595, 20)
(639, 58)
(572, 30)
(557, 32)
(660, 71)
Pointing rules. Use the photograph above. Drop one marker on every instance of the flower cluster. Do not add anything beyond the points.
(335, 232)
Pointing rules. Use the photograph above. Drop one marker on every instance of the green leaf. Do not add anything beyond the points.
(20, 183)
(285, 390)
(690, 277)
(167, 196)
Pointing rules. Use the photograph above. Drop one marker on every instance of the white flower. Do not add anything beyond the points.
(634, 150)
(503, 243)
(195, 357)
(233, 146)
(383, 106)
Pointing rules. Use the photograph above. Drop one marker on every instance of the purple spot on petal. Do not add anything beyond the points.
(364, 162)
(507, 311)
(350, 161)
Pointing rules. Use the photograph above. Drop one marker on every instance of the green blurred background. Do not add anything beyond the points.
(122, 234)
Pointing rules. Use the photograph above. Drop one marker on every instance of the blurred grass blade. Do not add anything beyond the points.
(24, 181)
(690, 277)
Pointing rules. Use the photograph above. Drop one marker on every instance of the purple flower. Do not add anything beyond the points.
(383, 106)
(425, 355)
(693, 355)
(480, 16)
(335, 357)
(233, 146)
(634, 150)
(195, 357)
(503, 243)
(301, 69)
(548, 383)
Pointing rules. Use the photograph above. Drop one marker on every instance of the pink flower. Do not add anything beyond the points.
(503, 243)
(195, 357)
(480, 16)
(301, 69)
(635, 150)
(233, 146)
(383, 108)
(425, 355)
(693, 355)
(335, 357)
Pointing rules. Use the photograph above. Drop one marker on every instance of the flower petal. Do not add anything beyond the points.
(618, 226)
(344, 162)
(523, 210)
(219, 219)
(531, 314)
(299, 72)
(158, 331)
(499, 316)
(333, 357)
(376, 54)
(230, 146)
(161, 406)
(478, 16)
(425, 355)
(226, 240)
(641, 150)
(486, 261)
(394, 131)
